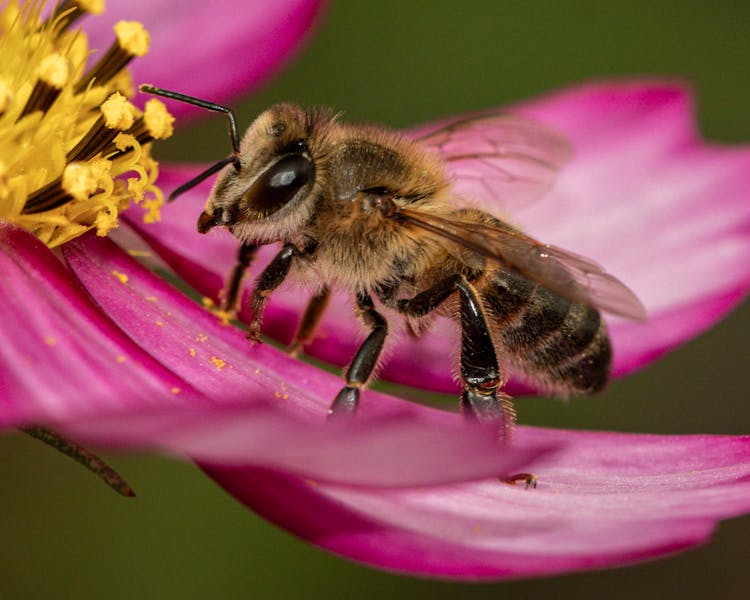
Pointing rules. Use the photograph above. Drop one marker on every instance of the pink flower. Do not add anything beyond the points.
(106, 352)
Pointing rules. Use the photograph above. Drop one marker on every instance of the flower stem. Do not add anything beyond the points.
(84, 457)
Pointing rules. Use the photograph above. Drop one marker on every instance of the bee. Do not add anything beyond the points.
(389, 219)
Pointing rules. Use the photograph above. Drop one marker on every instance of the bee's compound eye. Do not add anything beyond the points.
(279, 184)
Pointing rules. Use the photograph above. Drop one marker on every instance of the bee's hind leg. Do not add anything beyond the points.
(364, 361)
(480, 372)
(479, 367)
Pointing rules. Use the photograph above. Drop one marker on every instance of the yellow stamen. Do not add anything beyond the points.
(54, 70)
(74, 151)
(132, 40)
(132, 37)
(83, 180)
(118, 112)
(95, 7)
(69, 11)
(117, 115)
(54, 73)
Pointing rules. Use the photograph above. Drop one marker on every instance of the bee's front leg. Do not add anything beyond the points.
(230, 294)
(271, 278)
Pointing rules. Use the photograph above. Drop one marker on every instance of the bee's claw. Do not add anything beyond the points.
(253, 335)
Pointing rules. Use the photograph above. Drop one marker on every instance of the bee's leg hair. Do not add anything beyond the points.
(271, 278)
(231, 292)
(479, 366)
(364, 361)
(310, 319)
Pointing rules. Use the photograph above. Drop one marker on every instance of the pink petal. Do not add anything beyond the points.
(404, 449)
(60, 357)
(262, 407)
(606, 500)
(663, 211)
(213, 50)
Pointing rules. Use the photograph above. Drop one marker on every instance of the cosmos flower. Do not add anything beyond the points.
(103, 350)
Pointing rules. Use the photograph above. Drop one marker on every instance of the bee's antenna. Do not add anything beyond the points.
(234, 137)
(188, 185)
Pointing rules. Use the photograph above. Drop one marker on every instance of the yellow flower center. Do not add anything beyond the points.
(73, 150)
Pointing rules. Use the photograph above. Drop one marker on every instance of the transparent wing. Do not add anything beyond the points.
(568, 274)
(499, 158)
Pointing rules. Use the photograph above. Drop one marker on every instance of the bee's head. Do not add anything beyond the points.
(269, 191)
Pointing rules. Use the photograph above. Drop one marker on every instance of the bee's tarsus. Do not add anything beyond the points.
(271, 278)
(231, 294)
(345, 403)
(366, 358)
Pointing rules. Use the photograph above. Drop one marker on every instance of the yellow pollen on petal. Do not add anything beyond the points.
(192, 352)
(175, 390)
(121, 276)
(132, 37)
(218, 363)
(50, 341)
(120, 359)
(225, 316)
(74, 151)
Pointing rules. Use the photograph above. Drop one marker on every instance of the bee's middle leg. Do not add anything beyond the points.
(480, 370)
(364, 361)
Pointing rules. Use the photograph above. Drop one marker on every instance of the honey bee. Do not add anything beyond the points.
(388, 218)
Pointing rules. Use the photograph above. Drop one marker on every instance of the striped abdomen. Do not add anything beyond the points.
(561, 344)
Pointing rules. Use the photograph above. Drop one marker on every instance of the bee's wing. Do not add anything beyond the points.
(570, 275)
(500, 158)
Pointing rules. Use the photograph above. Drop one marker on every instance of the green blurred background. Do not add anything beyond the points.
(66, 535)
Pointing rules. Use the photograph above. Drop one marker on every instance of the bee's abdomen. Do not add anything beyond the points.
(561, 344)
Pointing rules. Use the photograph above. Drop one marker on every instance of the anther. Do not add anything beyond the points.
(69, 11)
(117, 115)
(79, 181)
(155, 124)
(132, 41)
(54, 72)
